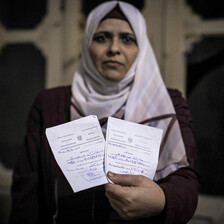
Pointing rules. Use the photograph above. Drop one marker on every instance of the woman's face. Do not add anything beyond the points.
(113, 48)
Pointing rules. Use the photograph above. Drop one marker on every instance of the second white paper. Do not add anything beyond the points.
(132, 148)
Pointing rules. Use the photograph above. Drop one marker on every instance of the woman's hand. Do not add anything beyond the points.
(134, 196)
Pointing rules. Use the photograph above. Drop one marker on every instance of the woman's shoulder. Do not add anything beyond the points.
(176, 97)
(55, 92)
(174, 92)
(51, 98)
(52, 105)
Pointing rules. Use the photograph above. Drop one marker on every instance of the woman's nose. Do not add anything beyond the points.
(114, 47)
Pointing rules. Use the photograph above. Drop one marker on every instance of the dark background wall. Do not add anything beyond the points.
(205, 96)
(22, 75)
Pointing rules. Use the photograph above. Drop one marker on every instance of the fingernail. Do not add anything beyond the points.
(110, 174)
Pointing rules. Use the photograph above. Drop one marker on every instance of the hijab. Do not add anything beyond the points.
(142, 89)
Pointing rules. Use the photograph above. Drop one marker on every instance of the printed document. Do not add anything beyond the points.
(78, 147)
(132, 148)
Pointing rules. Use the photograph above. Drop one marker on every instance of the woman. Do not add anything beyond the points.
(117, 76)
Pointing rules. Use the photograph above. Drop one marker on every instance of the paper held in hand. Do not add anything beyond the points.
(84, 157)
(78, 147)
(132, 148)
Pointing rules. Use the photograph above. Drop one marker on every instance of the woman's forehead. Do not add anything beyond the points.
(114, 25)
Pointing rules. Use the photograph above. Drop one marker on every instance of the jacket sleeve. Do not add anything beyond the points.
(181, 187)
(24, 191)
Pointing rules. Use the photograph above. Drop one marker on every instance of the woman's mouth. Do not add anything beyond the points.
(112, 64)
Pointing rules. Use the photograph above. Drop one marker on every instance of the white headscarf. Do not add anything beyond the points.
(142, 90)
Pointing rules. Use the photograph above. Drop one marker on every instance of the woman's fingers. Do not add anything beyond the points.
(134, 195)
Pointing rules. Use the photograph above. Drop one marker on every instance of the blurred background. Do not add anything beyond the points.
(40, 43)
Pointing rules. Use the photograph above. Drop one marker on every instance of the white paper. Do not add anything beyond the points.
(132, 148)
(78, 147)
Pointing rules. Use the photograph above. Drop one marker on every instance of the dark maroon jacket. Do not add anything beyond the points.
(41, 194)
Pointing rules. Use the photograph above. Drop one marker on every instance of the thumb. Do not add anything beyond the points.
(125, 179)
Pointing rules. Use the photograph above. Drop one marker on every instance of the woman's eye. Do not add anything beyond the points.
(100, 38)
(128, 39)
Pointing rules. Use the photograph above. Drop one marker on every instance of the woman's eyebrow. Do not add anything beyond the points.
(127, 33)
(102, 32)
(111, 33)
